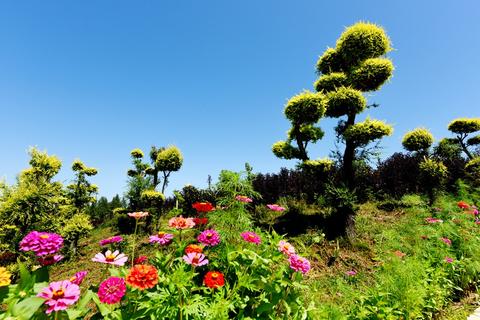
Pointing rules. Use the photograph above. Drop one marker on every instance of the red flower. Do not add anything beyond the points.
(193, 248)
(200, 221)
(203, 206)
(142, 277)
(140, 260)
(463, 205)
(214, 279)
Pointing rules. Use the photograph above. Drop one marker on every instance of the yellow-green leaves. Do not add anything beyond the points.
(331, 82)
(371, 74)
(419, 139)
(137, 153)
(284, 150)
(153, 197)
(344, 101)
(169, 159)
(464, 125)
(367, 131)
(305, 108)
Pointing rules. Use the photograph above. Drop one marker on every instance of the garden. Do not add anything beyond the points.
(332, 238)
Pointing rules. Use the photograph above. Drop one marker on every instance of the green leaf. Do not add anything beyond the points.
(27, 307)
(25, 276)
(41, 275)
(3, 293)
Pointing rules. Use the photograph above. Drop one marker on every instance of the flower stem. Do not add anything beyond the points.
(134, 240)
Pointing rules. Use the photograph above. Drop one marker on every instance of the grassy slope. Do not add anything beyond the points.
(386, 281)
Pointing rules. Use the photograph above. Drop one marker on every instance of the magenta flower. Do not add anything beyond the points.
(433, 220)
(251, 237)
(49, 259)
(243, 199)
(59, 295)
(209, 238)
(195, 259)
(112, 290)
(298, 263)
(41, 243)
(351, 273)
(162, 238)
(114, 239)
(78, 277)
(115, 258)
(448, 260)
(275, 207)
(447, 241)
(286, 248)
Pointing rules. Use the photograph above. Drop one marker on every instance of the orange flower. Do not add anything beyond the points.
(214, 279)
(193, 248)
(138, 215)
(142, 277)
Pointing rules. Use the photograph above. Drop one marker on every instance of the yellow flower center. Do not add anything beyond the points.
(161, 234)
(73, 279)
(209, 235)
(251, 236)
(58, 294)
(44, 236)
(110, 257)
(214, 275)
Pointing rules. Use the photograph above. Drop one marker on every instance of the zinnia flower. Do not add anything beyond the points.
(140, 260)
(463, 205)
(298, 263)
(181, 223)
(193, 248)
(243, 199)
(112, 290)
(162, 238)
(448, 260)
(275, 207)
(142, 277)
(351, 273)
(114, 239)
(447, 241)
(41, 243)
(138, 215)
(49, 259)
(78, 277)
(203, 206)
(59, 295)
(209, 238)
(251, 237)
(214, 279)
(115, 258)
(433, 220)
(5, 277)
(286, 248)
(195, 259)
(200, 221)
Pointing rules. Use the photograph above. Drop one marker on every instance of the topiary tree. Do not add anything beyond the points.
(356, 65)
(137, 181)
(418, 140)
(462, 127)
(168, 160)
(81, 191)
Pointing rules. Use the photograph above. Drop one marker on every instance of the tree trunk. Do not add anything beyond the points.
(464, 147)
(349, 157)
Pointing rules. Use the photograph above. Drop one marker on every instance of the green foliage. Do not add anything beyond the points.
(319, 165)
(448, 149)
(473, 165)
(419, 139)
(331, 82)
(329, 62)
(231, 184)
(371, 74)
(473, 141)
(344, 101)
(169, 159)
(76, 227)
(283, 149)
(434, 171)
(137, 153)
(152, 197)
(305, 133)
(305, 108)
(464, 125)
(362, 41)
(367, 131)
(81, 191)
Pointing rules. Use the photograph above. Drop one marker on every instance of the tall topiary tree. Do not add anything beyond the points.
(418, 140)
(462, 128)
(81, 191)
(356, 65)
(168, 160)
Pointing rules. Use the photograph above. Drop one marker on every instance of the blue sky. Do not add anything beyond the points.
(95, 79)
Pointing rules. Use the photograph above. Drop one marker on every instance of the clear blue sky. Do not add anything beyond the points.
(95, 79)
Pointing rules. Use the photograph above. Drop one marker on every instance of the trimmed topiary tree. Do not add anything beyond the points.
(418, 140)
(168, 160)
(356, 65)
(81, 191)
(462, 127)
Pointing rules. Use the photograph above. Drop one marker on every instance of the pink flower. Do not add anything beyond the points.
(112, 290)
(209, 238)
(115, 258)
(251, 237)
(41, 243)
(59, 295)
(78, 277)
(275, 207)
(447, 241)
(298, 263)
(114, 239)
(138, 215)
(433, 220)
(162, 238)
(351, 273)
(448, 260)
(181, 223)
(195, 259)
(286, 248)
(243, 199)
(477, 221)
(49, 259)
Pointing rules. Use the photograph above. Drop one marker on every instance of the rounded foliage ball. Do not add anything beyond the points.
(448, 149)
(433, 172)
(344, 101)
(362, 41)
(329, 62)
(90, 171)
(362, 133)
(137, 153)
(318, 166)
(78, 165)
(153, 197)
(473, 165)
(305, 108)
(331, 82)
(417, 140)
(464, 125)
(473, 141)
(306, 132)
(371, 74)
(284, 150)
(169, 159)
